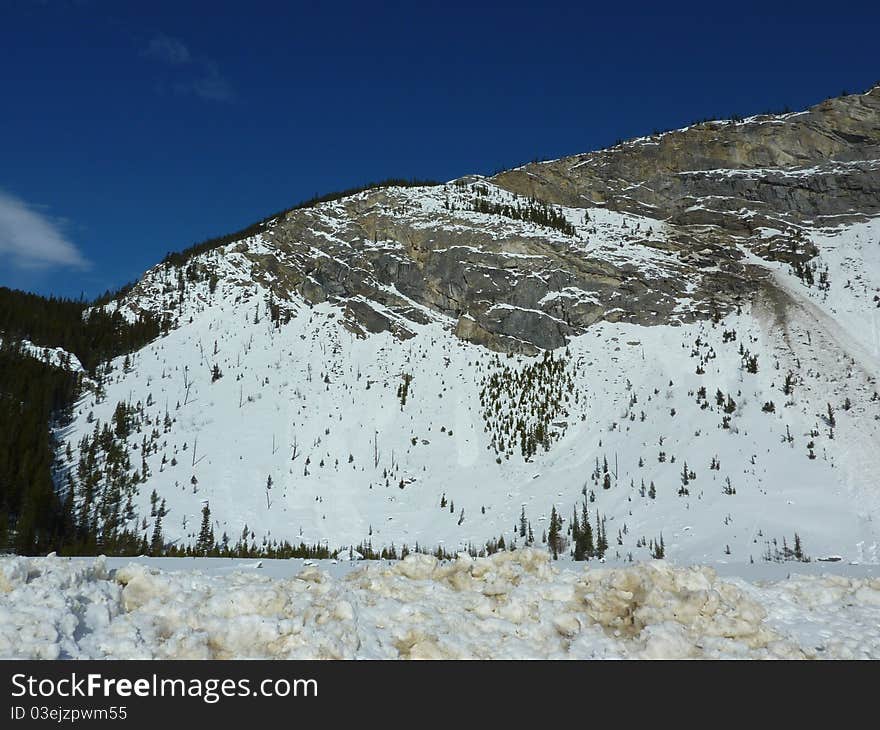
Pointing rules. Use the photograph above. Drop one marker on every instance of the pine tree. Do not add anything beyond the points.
(589, 549)
(157, 543)
(205, 543)
(601, 539)
(553, 534)
(582, 534)
(658, 551)
(831, 420)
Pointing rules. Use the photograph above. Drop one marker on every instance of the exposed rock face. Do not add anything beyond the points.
(656, 231)
(398, 256)
(806, 165)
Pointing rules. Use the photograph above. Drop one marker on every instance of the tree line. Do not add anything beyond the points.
(37, 397)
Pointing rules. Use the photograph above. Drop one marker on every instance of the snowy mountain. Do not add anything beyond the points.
(677, 335)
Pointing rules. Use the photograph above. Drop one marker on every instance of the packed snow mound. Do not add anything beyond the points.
(516, 604)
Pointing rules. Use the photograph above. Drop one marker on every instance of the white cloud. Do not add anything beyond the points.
(211, 85)
(191, 75)
(30, 241)
(168, 49)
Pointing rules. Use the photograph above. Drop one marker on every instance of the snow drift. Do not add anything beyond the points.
(515, 604)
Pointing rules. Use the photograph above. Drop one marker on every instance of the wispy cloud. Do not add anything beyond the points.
(209, 85)
(29, 240)
(167, 49)
(190, 75)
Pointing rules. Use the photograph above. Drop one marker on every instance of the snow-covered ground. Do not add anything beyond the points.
(512, 605)
(54, 356)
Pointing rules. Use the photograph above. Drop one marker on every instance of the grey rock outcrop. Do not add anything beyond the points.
(793, 167)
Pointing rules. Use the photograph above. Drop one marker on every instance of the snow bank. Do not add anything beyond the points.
(511, 605)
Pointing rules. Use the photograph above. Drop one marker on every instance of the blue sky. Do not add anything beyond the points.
(131, 129)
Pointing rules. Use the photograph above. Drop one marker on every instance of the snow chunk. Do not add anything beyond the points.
(514, 604)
